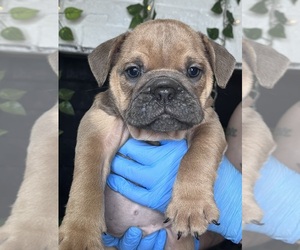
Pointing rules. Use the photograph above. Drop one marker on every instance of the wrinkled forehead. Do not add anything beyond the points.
(164, 46)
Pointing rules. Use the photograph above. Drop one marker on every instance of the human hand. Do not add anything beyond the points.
(153, 169)
(277, 193)
(156, 176)
(133, 240)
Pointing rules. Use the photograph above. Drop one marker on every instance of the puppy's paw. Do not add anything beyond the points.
(192, 216)
(76, 238)
(252, 213)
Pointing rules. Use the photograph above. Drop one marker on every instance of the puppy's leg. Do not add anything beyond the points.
(192, 206)
(99, 137)
(257, 145)
(32, 224)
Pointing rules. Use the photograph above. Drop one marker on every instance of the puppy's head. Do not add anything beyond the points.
(262, 62)
(161, 75)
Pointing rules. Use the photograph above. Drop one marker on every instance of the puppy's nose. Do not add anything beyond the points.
(164, 93)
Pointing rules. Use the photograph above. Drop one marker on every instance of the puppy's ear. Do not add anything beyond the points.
(53, 61)
(222, 62)
(102, 57)
(266, 63)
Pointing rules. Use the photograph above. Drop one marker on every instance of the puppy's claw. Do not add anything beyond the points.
(256, 222)
(215, 222)
(167, 220)
(179, 235)
(196, 235)
(104, 233)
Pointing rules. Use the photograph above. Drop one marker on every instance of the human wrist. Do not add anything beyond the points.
(277, 193)
(228, 197)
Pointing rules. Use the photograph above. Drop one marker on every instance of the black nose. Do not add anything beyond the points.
(164, 93)
(164, 89)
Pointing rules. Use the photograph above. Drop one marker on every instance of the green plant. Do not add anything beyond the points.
(221, 8)
(71, 14)
(65, 105)
(13, 33)
(277, 21)
(10, 101)
(141, 13)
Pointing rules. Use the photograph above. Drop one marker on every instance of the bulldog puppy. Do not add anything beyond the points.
(266, 66)
(32, 224)
(160, 79)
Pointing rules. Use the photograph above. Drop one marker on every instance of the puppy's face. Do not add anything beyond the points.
(162, 78)
(161, 75)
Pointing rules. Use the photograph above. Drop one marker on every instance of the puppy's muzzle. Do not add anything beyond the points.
(165, 90)
(163, 104)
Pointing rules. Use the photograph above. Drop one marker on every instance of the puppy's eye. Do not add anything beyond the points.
(193, 72)
(133, 72)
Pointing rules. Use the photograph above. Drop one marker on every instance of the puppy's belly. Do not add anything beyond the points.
(121, 213)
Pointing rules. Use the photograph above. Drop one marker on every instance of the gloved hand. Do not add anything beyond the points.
(228, 197)
(132, 240)
(155, 169)
(277, 193)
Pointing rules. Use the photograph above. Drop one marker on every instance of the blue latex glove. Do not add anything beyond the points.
(154, 168)
(132, 240)
(156, 171)
(228, 197)
(277, 193)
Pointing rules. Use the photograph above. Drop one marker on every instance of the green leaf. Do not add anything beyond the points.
(13, 107)
(72, 13)
(11, 94)
(21, 13)
(136, 20)
(230, 17)
(66, 94)
(260, 7)
(213, 33)
(66, 108)
(12, 34)
(217, 8)
(238, 1)
(294, 1)
(277, 31)
(65, 33)
(280, 17)
(135, 9)
(227, 31)
(253, 33)
(2, 74)
(3, 132)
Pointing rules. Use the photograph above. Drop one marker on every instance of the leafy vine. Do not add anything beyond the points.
(13, 33)
(141, 12)
(65, 106)
(278, 21)
(221, 8)
(71, 14)
(10, 101)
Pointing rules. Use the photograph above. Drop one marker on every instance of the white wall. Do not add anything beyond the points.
(288, 46)
(104, 19)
